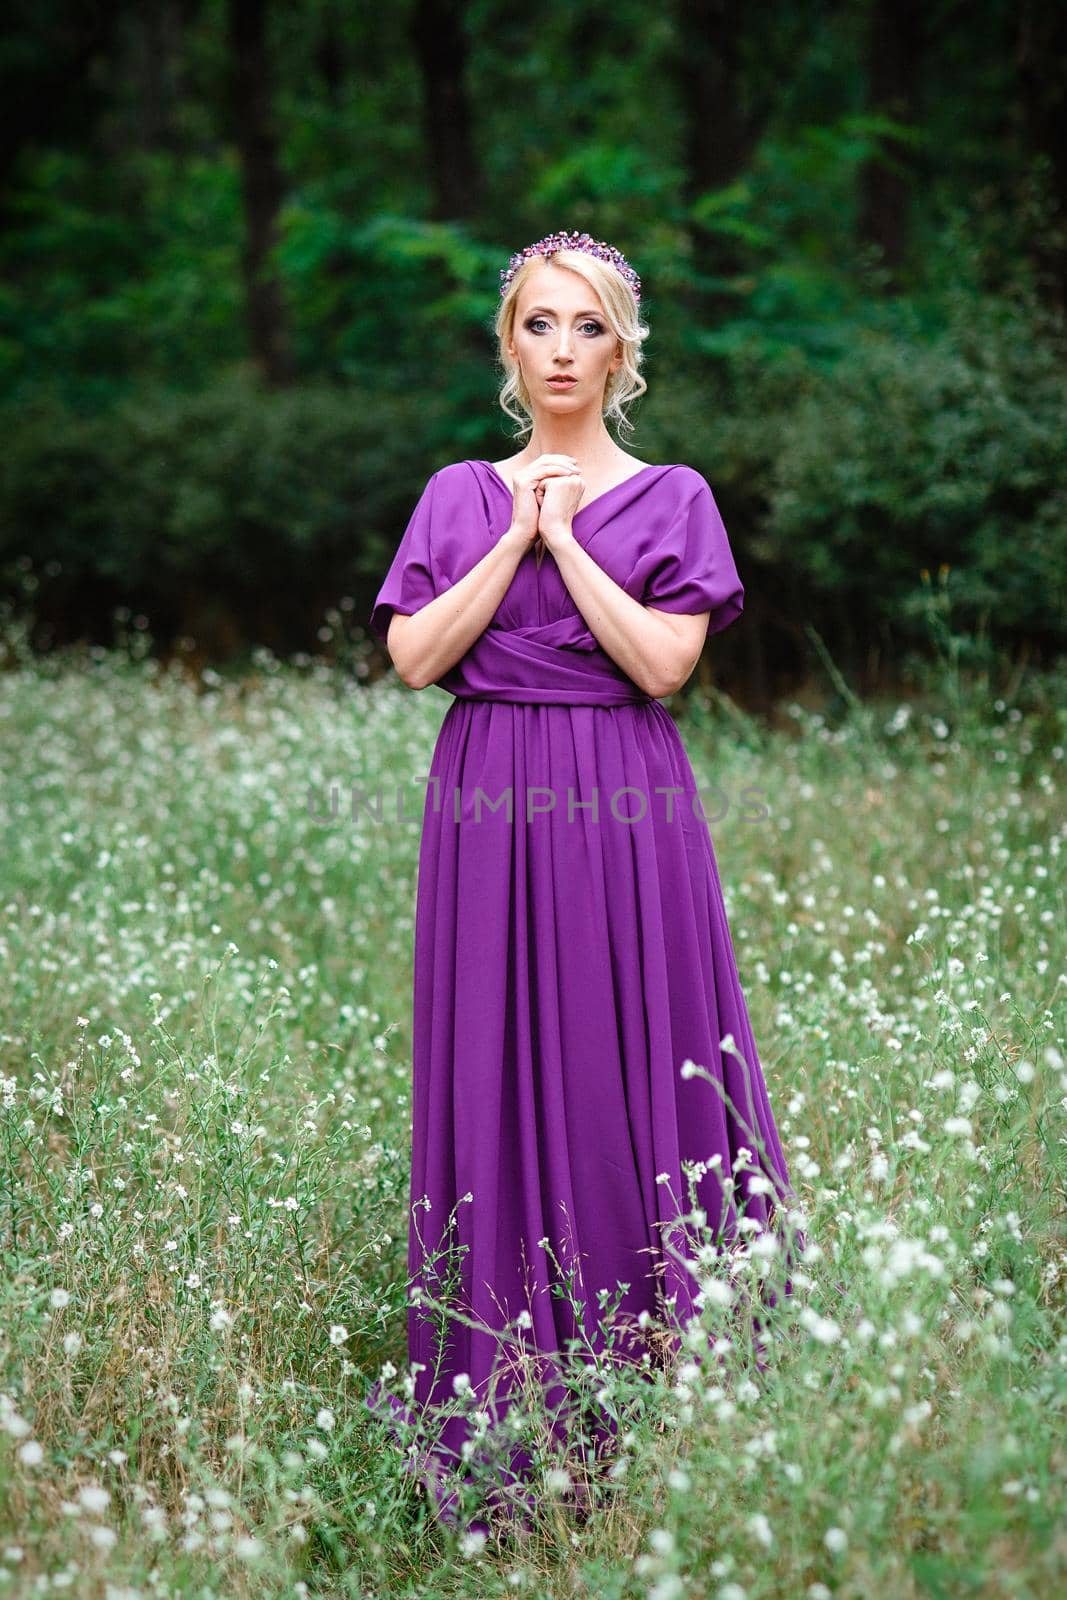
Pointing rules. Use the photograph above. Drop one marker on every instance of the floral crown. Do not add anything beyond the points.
(571, 241)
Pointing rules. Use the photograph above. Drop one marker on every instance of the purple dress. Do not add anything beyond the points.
(571, 953)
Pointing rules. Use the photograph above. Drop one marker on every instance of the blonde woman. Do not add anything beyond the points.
(571, 946)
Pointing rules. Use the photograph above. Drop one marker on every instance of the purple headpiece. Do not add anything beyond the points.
(571, 241)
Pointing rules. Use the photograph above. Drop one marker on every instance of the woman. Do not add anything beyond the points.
(571, 946)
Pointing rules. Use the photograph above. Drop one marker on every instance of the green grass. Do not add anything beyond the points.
(204, 1103)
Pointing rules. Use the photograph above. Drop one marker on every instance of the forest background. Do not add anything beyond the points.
(250, 260)
(249, 265)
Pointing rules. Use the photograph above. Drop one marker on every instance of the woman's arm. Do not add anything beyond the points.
(424, 645)
(657, 649)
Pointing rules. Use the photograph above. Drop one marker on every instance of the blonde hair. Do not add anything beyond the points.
(622, 315)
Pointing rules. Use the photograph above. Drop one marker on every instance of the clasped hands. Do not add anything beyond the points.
(546, 494)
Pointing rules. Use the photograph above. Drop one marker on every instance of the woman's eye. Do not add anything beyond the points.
(536, 322)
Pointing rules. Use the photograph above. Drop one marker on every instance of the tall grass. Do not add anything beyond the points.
(204, 1124)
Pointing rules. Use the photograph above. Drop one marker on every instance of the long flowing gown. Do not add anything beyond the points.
(571, 953)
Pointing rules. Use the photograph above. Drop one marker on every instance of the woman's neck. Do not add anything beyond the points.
(591, 446)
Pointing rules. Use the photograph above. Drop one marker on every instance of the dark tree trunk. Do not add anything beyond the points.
(262, 187)
(894, 54)
(330, 55)
(1041, 62)
(719, 137)
(440, 47)
(724, 117)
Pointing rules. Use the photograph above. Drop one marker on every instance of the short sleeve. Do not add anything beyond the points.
(409, 583)
(693, 569)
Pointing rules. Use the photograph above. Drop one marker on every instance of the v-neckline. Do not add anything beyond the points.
(650, 466)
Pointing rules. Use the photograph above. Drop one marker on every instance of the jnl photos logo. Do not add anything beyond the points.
(627, 804)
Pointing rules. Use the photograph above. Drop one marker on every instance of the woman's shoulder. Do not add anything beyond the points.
(457, 469)
(683, 485)
(455, 477)
(683, 476)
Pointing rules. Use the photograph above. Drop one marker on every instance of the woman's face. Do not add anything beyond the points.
(561, 331)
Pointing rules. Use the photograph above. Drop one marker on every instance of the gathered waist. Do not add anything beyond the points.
(555, 663)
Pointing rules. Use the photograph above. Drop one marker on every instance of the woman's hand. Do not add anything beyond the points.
(528, 490)
(560, 499)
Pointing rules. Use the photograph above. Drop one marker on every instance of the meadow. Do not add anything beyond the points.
(204, 1123)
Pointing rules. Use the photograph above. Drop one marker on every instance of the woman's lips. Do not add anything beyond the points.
(563, 383)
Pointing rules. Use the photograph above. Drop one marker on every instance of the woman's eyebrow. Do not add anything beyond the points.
(552, 311)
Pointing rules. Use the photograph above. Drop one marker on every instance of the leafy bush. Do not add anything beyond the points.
(266, 504)
(918, 453)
